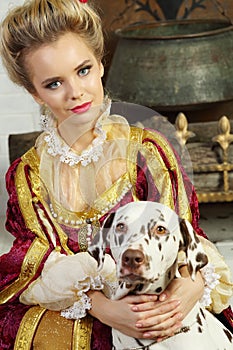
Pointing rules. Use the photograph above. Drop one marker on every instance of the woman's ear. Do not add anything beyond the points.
(101, 69)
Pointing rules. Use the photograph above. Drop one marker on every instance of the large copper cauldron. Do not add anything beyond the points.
(174, 65)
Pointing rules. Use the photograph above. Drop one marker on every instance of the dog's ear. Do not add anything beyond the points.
(101, 240)
(195, 255)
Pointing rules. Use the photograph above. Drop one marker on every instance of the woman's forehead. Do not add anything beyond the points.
(69, 51)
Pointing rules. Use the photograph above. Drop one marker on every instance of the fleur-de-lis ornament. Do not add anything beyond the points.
(225, 138)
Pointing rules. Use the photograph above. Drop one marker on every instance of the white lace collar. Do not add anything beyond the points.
(58, 147)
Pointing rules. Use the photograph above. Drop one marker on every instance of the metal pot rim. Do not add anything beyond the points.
(124, 32)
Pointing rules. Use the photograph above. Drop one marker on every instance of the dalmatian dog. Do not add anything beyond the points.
(145, 238)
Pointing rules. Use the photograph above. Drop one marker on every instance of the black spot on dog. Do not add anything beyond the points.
(196, 237)
(193, 246)
(121, 239)
(147, 241)
(121, 284)
(147, 262)
(161, 217)
(158, 290)
(199, 321)
(202, 313)
(160, 246)
(141, 247)
(202, 259)
(228, 334)
(149, 230)
(199, 330)
(143, 229)
(139, 287)
(190, 267)
(96, 254)
(167, 238)
(139, 343)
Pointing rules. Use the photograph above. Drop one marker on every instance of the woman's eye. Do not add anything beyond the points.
(54, 85)
(121, 228)
(161, 230)
(84, 71)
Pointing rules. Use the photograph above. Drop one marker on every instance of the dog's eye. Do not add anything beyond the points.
(160, 230)
(121, 228)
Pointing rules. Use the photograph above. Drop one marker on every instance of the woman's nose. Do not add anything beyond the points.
(75, 90)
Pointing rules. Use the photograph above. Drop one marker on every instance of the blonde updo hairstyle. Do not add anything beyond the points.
(39, 22)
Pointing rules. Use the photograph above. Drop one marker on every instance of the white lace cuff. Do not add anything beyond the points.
(211, 280)
(79, 308)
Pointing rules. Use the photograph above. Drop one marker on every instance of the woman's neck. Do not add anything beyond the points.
(83, 141)
(78, 137)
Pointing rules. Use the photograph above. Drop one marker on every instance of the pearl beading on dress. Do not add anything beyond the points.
(96, 217)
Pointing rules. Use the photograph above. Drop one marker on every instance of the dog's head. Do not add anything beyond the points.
(145, 238)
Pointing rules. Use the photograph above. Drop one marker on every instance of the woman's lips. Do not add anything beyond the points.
(82, 108)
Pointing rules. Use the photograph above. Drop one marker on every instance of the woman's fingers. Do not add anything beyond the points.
(163, 333)
(162, 320)
(140, 299)
(157, 307)
(153, 320)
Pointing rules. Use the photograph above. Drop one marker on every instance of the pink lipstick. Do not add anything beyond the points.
(82, 108)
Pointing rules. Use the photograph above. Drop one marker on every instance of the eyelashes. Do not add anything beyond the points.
(85, 70)
(82, 72)
(54, 85)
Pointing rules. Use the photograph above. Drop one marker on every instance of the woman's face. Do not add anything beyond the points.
(66, 76)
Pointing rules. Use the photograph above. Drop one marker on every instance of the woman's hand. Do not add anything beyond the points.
(150, 316)
(186, 290)
(134, 315)
(163, 318)
(117, 314)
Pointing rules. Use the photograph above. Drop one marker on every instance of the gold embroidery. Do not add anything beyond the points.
(29, 267)
(29, 214)
(25, 201)
(158, 170)
(184, 207)
(82, 334)
(135, 141)
(28, 327)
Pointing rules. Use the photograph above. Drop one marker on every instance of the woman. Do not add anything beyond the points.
(86, 164)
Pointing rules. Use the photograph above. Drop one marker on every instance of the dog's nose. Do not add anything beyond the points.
(132, 258)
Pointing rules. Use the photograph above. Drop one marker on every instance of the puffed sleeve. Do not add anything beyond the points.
(65, 280)
(223, 290)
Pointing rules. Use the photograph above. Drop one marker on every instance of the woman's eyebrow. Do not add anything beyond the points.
(49, 80)
(83, 64)
(52, 79)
